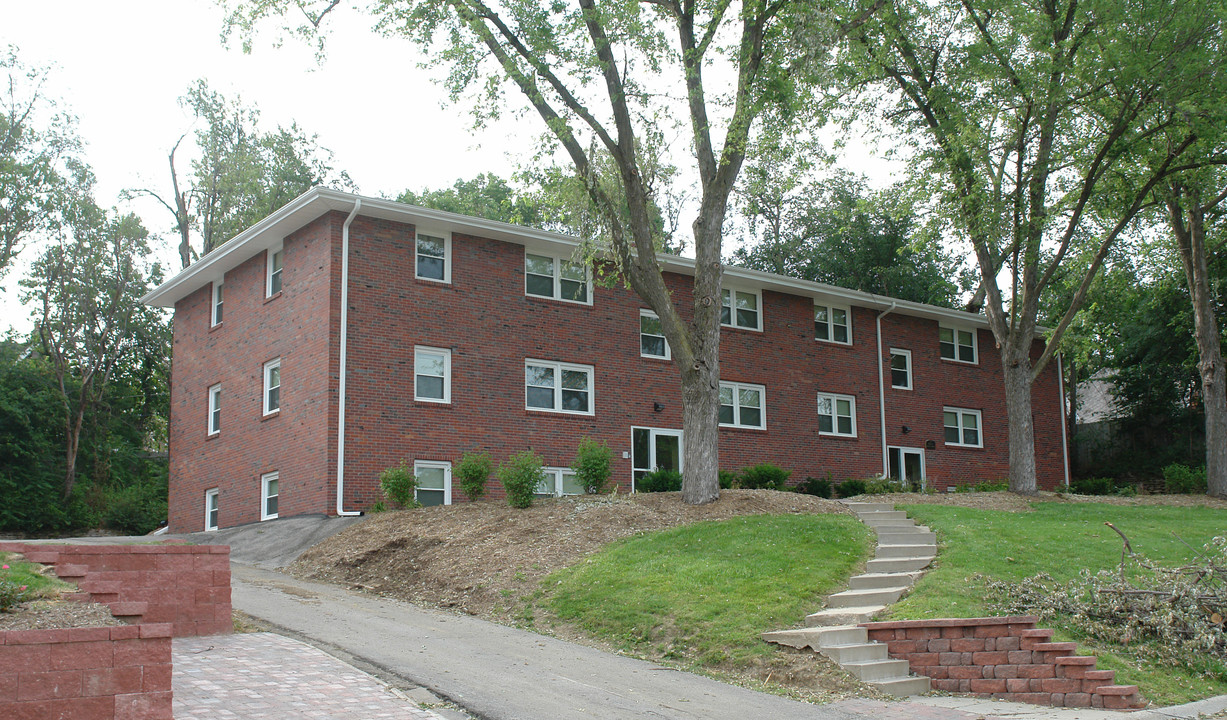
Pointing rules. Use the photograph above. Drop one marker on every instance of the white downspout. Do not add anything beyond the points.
(1064, 430)
(344, 356)
(882, 391)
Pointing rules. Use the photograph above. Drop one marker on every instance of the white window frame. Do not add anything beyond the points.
(558, 368)
(833, 398)
(215, 401)
(446, 467)
(269, 272)
(217, 311)
(212, 505)
(269, 366)
(555, 474)
(447, 373)
(954, 334)
(737, 387)
(446, 237)
(265, 479)
(907, 357)
(557, 270)
(830, 323)
(668, 352)
(960, 413)
(732, 306)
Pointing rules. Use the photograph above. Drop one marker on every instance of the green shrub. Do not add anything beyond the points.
(591, 466)
(378, 507)
(660, 481)
(398, 484)
(473, 471)
(1101, 486)
(984, 486)
(764, 477)
(520, 476)
(729, 479)
(814, 486)
(135, 510)
(883, 485)
(850, 488)
(1184, 480)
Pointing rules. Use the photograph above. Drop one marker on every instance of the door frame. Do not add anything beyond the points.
(902, 465)
(654, 433)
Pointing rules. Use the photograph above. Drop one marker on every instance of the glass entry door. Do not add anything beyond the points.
(907, 465)
(654, 449)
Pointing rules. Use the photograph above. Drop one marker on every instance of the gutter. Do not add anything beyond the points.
(1064, 430)
(343, 359)
(882, 390)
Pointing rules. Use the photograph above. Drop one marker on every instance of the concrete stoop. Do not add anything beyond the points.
(904, 550)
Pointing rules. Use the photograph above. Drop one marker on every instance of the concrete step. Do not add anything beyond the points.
(891, 535)
(893, 565)
(860, 507)
(878, 669)
(131, 609)
(863, 598)
(67, 571)
(818, 637)
(870, 581)
(856, 652)
(903, 551)
(903, 687)
(843, 616)
(886, 518)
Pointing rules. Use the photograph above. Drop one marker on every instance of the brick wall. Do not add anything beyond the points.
(105, 673)
(1006, 658)
(185, 586)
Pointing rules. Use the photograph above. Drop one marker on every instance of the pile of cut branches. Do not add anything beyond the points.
(1171, 614)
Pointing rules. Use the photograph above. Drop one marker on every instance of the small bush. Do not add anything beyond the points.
(1184, 480)
(984, 486)
(135, 510)
(473, 471)
(591, 466)
(729, 480)
(883, 485)
(378, 507)
(398, 484)
(764, 477)
(520, 476)
(814, 486)
(850, 488)
(660, 481)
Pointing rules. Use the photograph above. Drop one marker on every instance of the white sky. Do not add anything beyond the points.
(120, 67)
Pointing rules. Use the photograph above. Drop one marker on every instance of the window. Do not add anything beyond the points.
(956, 344)
(558, 482)
(556, 278)
(558, 387)
(268, 496)
(836, 415)
(434, 482)
(433, 251)
(211, 509)
(741, 405)
(963, 427)
(901, 369)
(652, 341)
(739, 308)
(272, 386)
(275, 256)
(432, 375)
(217, 303)
(215, 409)
(833, 324)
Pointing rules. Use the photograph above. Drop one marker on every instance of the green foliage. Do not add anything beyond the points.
(22, 581)
(1184, 480)
(398, 485)
(136, 510)
(883, 485)
(729, 479)
(378, 507)
(520, 476)
(660, 481)
(816, 486)
(983, 486)
(11, 594)
(1100, 486)
(763, 477)
(473, 471)
(485, 196)
(591, 466)
(850, 488)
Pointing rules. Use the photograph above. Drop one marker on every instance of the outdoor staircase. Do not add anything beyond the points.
(904, 551)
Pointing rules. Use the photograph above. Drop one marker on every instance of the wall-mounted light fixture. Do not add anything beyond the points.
(657, 407)
(906, 429)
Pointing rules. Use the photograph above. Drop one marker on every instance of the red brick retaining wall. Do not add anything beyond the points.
(104, 673)
(187, 586)
(1003, 657)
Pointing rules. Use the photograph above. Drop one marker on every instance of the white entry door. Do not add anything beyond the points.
(654, 449)
(908, 465)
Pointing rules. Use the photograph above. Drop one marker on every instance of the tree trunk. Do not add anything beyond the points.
(1017, 367)
(72, 443)
(1072, 430)
(700, 420)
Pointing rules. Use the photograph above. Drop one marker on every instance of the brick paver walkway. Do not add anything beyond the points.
(263, 675)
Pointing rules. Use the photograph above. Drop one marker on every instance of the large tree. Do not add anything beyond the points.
(606, 77)
(1025, 115)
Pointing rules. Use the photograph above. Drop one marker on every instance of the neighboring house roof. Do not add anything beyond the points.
(270, 231)
(1097, 398)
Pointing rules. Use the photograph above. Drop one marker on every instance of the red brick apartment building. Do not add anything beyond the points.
(344, 334)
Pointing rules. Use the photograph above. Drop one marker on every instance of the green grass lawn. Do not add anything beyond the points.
(38, 586)
(703, 593)
(1060, 539)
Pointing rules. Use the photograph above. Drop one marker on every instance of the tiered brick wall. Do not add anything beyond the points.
(105, 673)
(187, 586)
(1006, 658)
